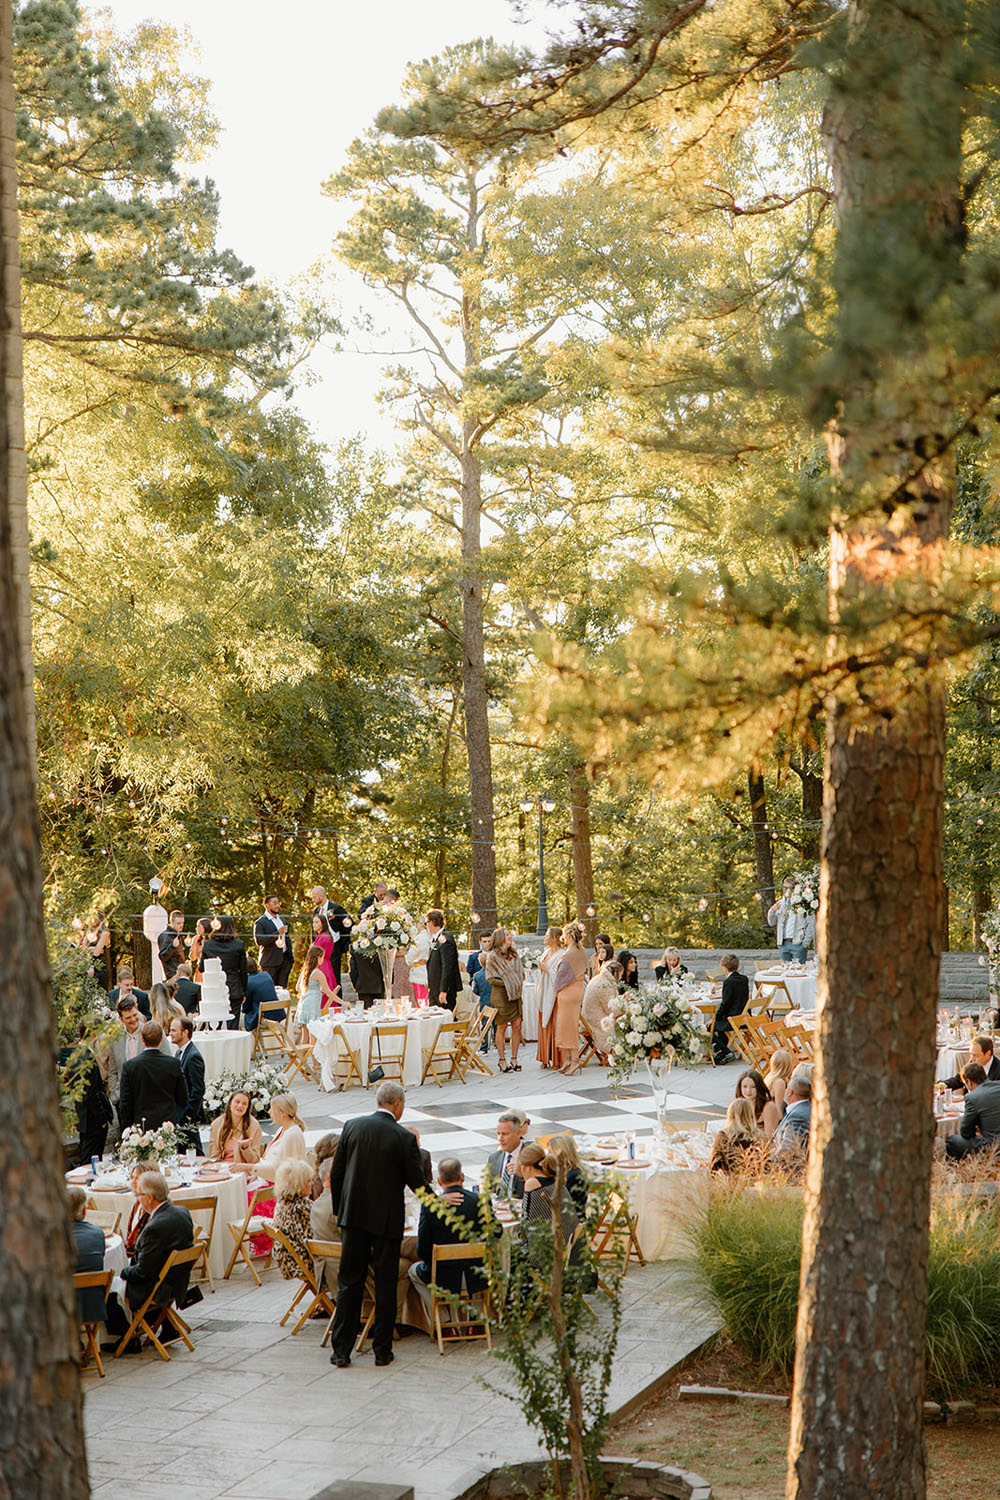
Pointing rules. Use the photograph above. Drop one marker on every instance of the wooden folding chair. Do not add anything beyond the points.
(743, 1038)
(589, 1047)
(387, 1047)
(459, 1317)
(349, 1058)
(476, 1029)
(446, 1051)
(713, 975)
(105, 1219)
(308, 1285)
(244, 1230)
(799, 1040)
(271, 1035)
(163, 1311)
(203, 1233)
(615, 1235)
(84, 1281)
(772, 995)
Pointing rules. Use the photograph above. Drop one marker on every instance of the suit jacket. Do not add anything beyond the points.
(116, 1061)
(234, 963)
(170, 947)
(982, 1112)
(793, 1130)
(443, 973)
(168, 1228)
(735, 994)
(140, 996)
(495, 1165)
(188, 994)
(366, 977)
(375, 1160)
(260, 989)
(88, 1245)
(992, 1076)
(341, 923)
(433, 1230)
(266, 932)
(193, 1068)
(153, 1091)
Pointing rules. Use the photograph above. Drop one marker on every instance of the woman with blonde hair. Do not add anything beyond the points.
(506, 976)
(781, 1068)
(290, 1141)
(162, 1008)
(739, 1140)
(568, 982)
(291, 1214)
(547, 999)
(563, 1148)
(236, 1137)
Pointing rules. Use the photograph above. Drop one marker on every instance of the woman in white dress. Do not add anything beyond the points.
(547, 1000)
(416, 958)
(290, 1142)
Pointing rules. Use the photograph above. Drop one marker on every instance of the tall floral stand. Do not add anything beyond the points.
(659, 1070)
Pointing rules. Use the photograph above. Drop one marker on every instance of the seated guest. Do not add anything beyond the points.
(981, 1052)
(735, 994)
(125, 987)
(603, 951)
(598, 998)
(670, 966)
(322, 1219)
(88, 1244)
(169, 1227)
(137, 1216)
(563, 1148)
(512, 1130)
(323, 1156)
(751, 1086)
(738, 1144)
(630, 968)
(791, 1139)
(538, 1169)
(425, 1157)
(260, 989)
(291, 1213)
(290, 1142)
(453, 1276)
(185, 991)
(236, 1137)
(780, 1069)
(980, 1126)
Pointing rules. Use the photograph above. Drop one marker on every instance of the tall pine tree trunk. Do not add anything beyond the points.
(583, 868)
(893, 129)
(762, 852)
(42, 1453)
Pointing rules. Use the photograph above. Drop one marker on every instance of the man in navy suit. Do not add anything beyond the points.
(433, 1230)
(375, 1160)
(193, 1068)
(153, 1090)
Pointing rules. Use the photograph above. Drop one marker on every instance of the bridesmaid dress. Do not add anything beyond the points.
(547, 1010)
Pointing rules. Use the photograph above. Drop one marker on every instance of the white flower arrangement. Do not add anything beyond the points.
(139, 1146)
(531, 958)
(804, 894)
(384, 927)
(260, 1083)
(652, 1022)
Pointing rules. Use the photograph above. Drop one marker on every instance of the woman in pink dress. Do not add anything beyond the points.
(323, 938)
(568, 978)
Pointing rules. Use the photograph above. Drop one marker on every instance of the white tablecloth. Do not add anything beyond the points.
(951, 1060)
(224, 1050)
(662, 1197)
(232, 1205)
(801, 987)
(422, 1034)
(529, 1011)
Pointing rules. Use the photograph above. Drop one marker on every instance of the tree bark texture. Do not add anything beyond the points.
(583, 867)
(893, 127)
(762, 852)
(42, 1453)
(474, 691)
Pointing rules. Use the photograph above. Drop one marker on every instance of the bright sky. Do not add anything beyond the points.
(292, 86)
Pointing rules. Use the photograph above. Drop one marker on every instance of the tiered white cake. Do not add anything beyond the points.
(214, 994)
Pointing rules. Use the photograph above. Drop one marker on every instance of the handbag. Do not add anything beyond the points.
(376, 1072)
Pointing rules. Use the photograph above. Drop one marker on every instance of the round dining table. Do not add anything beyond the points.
(801, 985)
(224, 1050)
(422, 1033)
(231, 1206)
(529, 1010)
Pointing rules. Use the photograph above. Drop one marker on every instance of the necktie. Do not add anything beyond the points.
(505, 1174)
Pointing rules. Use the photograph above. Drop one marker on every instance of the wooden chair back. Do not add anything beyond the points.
(387, 1047)
(105, 1219)
(163, 1311)
(477, 1028)
(87, 1281)
(244, 1229)
(462, 1316)
(203, 1233)
(445, 1053)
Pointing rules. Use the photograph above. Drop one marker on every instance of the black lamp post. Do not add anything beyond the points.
(544, 805)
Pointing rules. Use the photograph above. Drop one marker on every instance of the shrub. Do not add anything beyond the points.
(963, 1302)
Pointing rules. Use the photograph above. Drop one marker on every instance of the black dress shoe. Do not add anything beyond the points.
(342, 1361)
(134, 1346)
(385, 1359)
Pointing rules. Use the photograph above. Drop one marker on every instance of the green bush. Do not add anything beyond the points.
(747, 1255)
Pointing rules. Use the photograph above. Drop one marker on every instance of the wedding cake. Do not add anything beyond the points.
(214, 994)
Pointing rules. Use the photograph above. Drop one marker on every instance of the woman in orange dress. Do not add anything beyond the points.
(568, 977)
(547, 999)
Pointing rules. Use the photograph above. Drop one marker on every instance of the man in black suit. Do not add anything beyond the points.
(169, 1227)
(126, 987)
(980, 1126)
(433, 1230)
(375, 1160)
(152, 1088)
(444, 978)
(341, 925)
(981, 1052)
(186, 992)
(170, 945)
(512, 1134)
(379, 894)
(271, 932)
(735, 994)
(193, 1068)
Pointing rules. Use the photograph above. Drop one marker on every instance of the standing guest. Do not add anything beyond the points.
(96, 943)
(314, 990)
(979, 1129)
(435, 1230)
(630, 968)
(126, 986)
(738, 1144)
(92, 1105)
(751, 1086)
(603, 950)
(185, 991)
(341, 924)
(225, 945)
(376, 898)
(735, 994)
(236, 1137)
(170, 944)
(793, 929)
(981, 1052)
(506, 977)
(260, 989)
(416, 961)
(444, 979)
(552, 947)
(153, 1090)
(162, 1008)
(270, 931)
(125, 1047)
(568, 981)
(780, 1069)
(670, 966)
(790, 1141)
(193, 1068)
(597, 1010)
(291, 1213)
(512, 1134)
(202, 932)
(481, 987)
(168, 1228)
(400, 967)
(375, 1160)
(323, 939)
(88, 1246)
(366, 977)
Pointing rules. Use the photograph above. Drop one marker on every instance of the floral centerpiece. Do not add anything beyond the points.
(531, 958)
(260, 1083)
(804, 894)
(145, 1148)
(380, 933)
(653, 1026)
